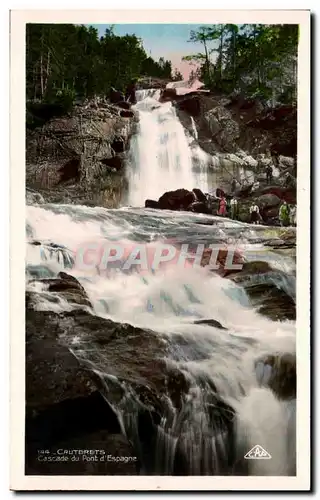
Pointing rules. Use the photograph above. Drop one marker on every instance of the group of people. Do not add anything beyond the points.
(288, 214)
(229, 207)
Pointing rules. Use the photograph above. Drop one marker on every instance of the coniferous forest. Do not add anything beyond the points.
(258, 60)
(66, 61)
(70, 60)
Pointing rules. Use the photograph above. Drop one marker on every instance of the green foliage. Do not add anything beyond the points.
(66, 62)
(258, 60)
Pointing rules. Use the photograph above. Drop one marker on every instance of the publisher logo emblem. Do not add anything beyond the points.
(257, 453)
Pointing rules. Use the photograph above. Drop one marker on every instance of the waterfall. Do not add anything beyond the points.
(160, 157)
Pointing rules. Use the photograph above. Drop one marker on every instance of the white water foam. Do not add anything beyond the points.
(160, 158)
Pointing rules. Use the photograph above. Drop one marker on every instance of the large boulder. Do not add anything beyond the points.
(244, 191)
(284, 194)
(268, 200)
(180, 199)
(74, 356)
(64, 409)
(151, 204)
(200, 195)
(199, 207)
(65, 286)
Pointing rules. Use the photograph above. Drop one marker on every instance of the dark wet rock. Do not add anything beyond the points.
(200, 195)
(66, 286)
(70, 171)
(168, 95)
(244, 191)
(53, 374)
(111, 350)
(126, 113)
(272, 301)
(279, 373)
(115, 162)
(253, 268)
(190, 104)
(284, 194)
(176, 200)
(199, 207)
(124, 105)
(118, 145)
(64, 410)
(151, 204)
(263, 286)
(74, 356)
(210, 322)
(268, 200)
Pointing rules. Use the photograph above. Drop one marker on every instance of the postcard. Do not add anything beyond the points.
(160, 198)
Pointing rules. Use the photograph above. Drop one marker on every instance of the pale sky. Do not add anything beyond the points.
(162, 40)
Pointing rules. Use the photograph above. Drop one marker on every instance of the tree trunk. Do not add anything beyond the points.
(234, 56)
(207, 59)
(41, 75)
(47, 71)
(221, 52)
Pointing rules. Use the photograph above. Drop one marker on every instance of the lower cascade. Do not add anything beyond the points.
(196, 367)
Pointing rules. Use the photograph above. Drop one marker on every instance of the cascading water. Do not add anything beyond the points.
(205, 329)
(226, 411)
(160, 157)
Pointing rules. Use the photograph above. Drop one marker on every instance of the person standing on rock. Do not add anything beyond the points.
(284, 214)
(233, 185)
(234, 208)
(269, 173)
(222, 207)
(254, 214)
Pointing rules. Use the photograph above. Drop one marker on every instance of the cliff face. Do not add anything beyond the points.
(227, 125)
(79, 158)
